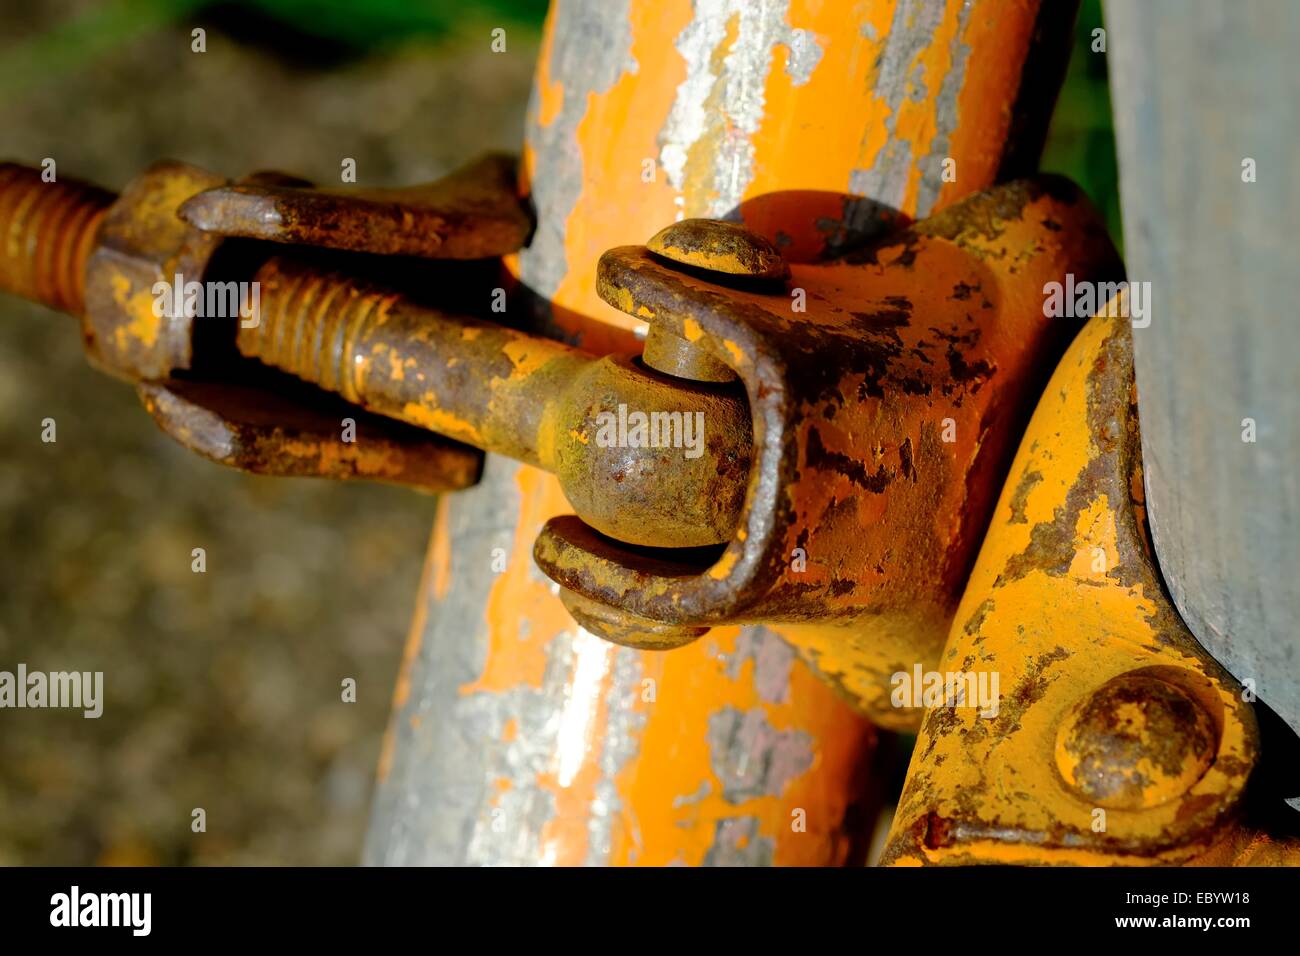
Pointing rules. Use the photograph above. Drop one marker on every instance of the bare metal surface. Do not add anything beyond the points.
(1199, 88)
(591, 48)
(761, 27)
(885, 181)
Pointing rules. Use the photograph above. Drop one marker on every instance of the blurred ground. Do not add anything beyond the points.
(222, 689)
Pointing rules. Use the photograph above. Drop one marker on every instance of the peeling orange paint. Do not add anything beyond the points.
(811, 139)
(523, 615)
(673, 799)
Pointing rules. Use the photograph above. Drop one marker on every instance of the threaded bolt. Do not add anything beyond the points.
(47, 232)
(308, 322)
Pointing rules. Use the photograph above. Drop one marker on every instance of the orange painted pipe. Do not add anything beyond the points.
(517, 738)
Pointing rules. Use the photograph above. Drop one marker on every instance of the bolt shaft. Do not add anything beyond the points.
(308, 323)
(47, 232)
(469, 379)
(533, 399)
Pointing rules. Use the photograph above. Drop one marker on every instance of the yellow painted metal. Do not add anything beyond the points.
(1115, 738)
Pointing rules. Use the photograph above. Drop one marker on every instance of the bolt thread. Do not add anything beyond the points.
(47, 232)
(309, 323)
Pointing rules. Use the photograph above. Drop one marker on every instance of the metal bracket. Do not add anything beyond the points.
(1116, 738)
(887, 389)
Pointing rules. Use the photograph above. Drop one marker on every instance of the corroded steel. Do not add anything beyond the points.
(142, 242)
(47, 232)
(1117, 738)
(875, 470)
(921, 51)
(472, 213)
(275, 430)
(673, 355)
(79, 248)
(720, 247)
(531, 398)
(825, 476)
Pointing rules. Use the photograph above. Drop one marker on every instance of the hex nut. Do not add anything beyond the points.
(142, 242)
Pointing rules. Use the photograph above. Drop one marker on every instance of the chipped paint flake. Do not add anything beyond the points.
(751, 757)
(772, 659)
(706, 145)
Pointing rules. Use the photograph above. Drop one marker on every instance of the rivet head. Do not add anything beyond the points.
(723, 247)
(1135, 743)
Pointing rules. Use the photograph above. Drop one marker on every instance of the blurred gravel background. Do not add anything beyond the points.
(222, 689)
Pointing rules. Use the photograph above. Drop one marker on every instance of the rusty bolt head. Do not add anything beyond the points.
(722, 247)
(143, 242)
(1136, 742)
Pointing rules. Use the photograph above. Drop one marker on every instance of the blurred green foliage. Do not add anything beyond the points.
(31, 58)
(1081, 141)
(355, 26)
(371, 23)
